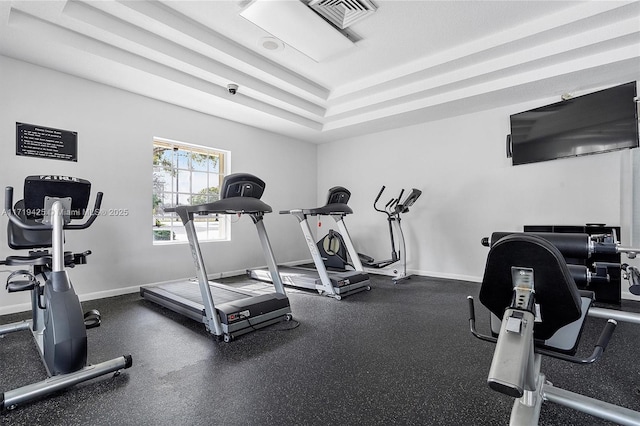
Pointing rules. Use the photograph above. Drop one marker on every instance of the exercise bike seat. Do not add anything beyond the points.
(21, 239)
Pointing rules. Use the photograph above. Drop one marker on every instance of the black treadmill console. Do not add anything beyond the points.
(242, 185)
(338, 195)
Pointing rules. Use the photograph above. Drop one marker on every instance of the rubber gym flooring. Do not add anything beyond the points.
(396, 355)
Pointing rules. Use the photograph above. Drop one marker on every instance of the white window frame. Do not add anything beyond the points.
(180, 160)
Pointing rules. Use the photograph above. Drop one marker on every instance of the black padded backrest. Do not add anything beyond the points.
(555, 291)
(36, 188)
(242, 185)
(20, 239)
(338, 195)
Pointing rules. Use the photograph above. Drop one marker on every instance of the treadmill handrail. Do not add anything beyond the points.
(327, 210)
(232, 205)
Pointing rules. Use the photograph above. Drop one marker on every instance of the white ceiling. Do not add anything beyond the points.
(415, 61)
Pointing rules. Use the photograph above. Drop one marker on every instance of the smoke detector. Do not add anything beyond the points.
(271, 43)
(297, 25)
(343, 13)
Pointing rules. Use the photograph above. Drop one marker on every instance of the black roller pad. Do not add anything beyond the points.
(571, 245)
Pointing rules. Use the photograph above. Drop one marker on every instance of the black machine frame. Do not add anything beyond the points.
(58, 326)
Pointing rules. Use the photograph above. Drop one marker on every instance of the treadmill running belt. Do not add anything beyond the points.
(191, 291)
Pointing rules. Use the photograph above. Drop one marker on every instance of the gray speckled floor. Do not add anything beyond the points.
(395, 355)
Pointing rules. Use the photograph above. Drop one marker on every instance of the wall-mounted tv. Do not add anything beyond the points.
(602, 121)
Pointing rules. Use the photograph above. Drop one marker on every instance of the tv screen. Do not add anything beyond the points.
(602, 121)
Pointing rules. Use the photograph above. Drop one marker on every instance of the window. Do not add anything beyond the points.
(186, 174)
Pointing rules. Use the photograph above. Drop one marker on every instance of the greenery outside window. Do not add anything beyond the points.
(185, 174)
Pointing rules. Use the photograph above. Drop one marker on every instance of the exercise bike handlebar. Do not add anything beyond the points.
(8, 208)
(92, 217)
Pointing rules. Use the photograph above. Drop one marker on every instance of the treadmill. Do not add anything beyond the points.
(336, 284)
(227, 312)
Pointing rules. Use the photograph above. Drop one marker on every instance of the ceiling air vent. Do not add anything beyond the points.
(343, 13)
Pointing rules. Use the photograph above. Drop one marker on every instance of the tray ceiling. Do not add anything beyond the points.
(411, 61)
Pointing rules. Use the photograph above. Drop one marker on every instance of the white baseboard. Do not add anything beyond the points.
(458, 277)
(12, 309)
(24, 307)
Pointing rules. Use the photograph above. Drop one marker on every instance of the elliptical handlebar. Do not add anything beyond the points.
(375, 203)
(399, 198)
(379, 195)
(395, 206)
(8, 208)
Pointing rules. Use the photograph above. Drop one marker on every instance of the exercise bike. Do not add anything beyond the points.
(37, 223)
(393, 209)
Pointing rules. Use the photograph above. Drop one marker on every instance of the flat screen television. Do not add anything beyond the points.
(602, 121)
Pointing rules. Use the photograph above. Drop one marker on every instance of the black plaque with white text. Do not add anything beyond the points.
(45, 142)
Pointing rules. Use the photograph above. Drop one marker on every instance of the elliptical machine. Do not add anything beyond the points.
(58, 325)
(393, 209)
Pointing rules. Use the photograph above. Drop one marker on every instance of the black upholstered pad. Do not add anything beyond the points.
(20, 239)
(570, 244)
(336, 208)
(555, 291)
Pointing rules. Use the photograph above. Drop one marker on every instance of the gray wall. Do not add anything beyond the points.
(115, 133)
(469, 188)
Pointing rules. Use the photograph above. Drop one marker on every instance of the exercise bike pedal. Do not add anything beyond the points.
(92, 319)
(14, 285)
